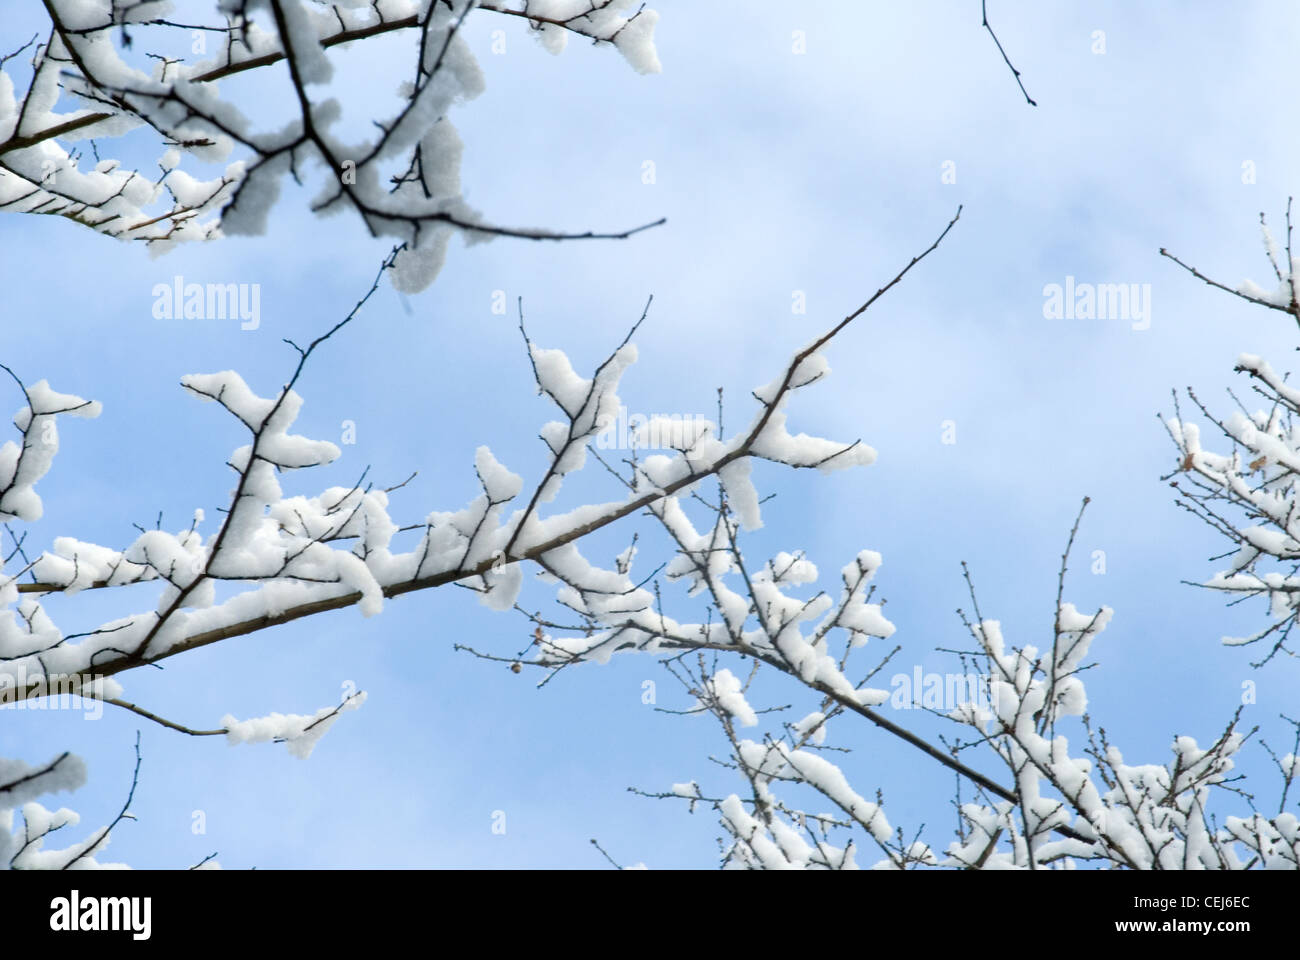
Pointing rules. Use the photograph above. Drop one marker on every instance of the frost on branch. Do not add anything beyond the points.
(1247, 492)
(106, 69)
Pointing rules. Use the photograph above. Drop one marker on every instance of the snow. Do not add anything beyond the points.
(300, 733)
(289, 552)
(636, 42)
(688, 790)
(498, 482)
(305, 26)
(775, 442)
(556, 378)
(726, 693)
(741, 493)
(26, 782)
(812, 726)
(22, 466)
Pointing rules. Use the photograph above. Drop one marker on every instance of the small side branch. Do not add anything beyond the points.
(984, 10)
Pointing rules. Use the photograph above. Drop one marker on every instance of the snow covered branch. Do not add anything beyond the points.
(1248, 494)
(1061, 807)
(89, 58)
(24, 848)
(285, 548)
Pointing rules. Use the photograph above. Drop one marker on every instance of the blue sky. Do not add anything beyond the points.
(777, 172)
